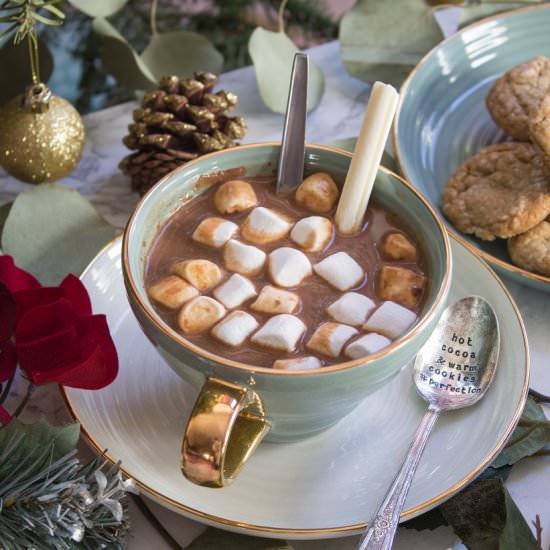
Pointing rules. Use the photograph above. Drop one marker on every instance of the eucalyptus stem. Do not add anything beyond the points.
(543, 452)
(30, 390)
(7, 389)
(539, 397)
(153, 17)
(281, 15)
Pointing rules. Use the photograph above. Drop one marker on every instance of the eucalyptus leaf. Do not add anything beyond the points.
(38, 436)
(120, 59)
(273, 54)
(485, 517)
(52, 230)
(381, 40)
(181, 53)
(98, 8)
(214, 539)
(474, 12)
(4, 211)
(527, 438)
(14, 61)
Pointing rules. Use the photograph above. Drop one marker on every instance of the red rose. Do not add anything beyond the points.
(56, 336)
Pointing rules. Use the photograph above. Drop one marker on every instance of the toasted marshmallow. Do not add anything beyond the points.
(351, 308)
(263, 225)
(236, 290)
(275, 300)
(235, 196)
(391, 320)
(288, 267)
(402, 285)
(235, 328)
(317, 193)
(312, 233)
(200, 314)
(397, 247)
(340, 270)
(172, 292)
(202, 274)
(367, 345)
(243, 258)
(329, 338)
(214, 232)
(298, 363)
(281, 332)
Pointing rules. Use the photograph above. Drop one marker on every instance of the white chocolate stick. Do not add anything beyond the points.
(366, 158)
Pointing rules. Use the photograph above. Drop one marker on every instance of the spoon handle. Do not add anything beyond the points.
(291, 162)
(381, 531)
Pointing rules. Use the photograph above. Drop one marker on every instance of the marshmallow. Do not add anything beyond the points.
(214, 232)
(397, 247)
(352, 308)
(281, 332)
(235, 196)
(172, 292)
(390, 319)
(288, 267)
(340, 270)
(367, 345)
(401, 285)
(203, 274)
(274, 300)
(317, 193)
(312, 233)
(298, 363)
(243, 258)
(200, 314)
(236, 290)
(263, 225)
(329, 338)
(235, 328)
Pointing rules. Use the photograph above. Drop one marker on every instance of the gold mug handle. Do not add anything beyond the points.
(226, 425)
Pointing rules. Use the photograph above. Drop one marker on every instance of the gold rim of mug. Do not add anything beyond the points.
(346, 529)
(174, 336)
(456, 234)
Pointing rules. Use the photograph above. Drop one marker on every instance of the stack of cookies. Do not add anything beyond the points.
(504, 190)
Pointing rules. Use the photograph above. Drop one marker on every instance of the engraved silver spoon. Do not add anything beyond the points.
(290, 171)
(453, 370)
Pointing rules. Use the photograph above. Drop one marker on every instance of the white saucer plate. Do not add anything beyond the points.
(326, 486)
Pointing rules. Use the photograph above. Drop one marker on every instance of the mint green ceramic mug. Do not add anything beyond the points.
(239, 404)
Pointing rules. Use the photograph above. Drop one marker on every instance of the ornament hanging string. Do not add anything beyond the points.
(34, 59)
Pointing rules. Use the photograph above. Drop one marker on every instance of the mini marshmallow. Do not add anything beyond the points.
(243, 258)
(312, 233)
(391, 320)
(235, 328)
(275, 300)
(329, 338)
(367, 345)
(340, 270)
(263, 225)
(288, 267)
(317, 193)
(172, 292)
(402, 285)
(214, 232)
(235, 196)
(202, 274)
(281, 332)
(236, 290)
(298, 363)
(351, 308)
(200, 314)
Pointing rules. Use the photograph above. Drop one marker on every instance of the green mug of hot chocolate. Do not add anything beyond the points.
(283, 324)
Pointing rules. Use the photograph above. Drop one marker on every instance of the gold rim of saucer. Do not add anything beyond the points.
(456, 234)
(173, 335)
(348, 529)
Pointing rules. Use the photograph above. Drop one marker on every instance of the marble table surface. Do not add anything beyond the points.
(339, 116)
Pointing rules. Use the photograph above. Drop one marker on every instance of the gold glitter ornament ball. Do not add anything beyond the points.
(41, 136)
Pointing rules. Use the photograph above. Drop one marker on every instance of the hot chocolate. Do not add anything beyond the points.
(269, 281)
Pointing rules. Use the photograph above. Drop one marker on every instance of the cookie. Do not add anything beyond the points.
(539, 130)
(516, 92)
(531, 250)
(500, 192)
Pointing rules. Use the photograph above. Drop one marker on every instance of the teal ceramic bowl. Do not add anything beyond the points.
(292, 404)
(442, 119)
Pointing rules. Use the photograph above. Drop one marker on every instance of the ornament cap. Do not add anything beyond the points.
(37, 98)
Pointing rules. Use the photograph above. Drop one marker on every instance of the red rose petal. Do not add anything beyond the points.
(13, 277)
(7, 313)
(8, 361)
(44, 320)
(34, 297)
(5, 416)
(76, 293)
